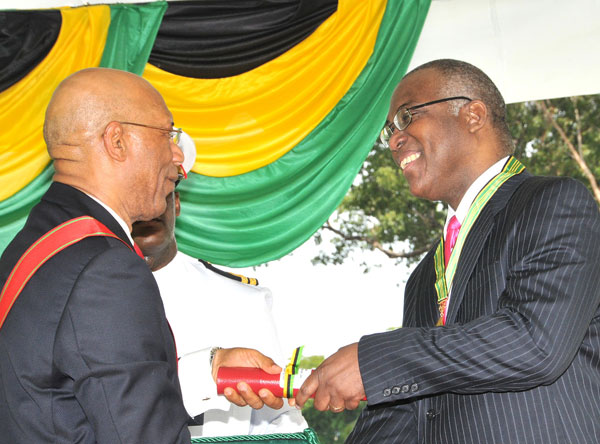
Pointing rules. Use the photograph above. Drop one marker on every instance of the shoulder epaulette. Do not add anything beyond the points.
(235, 277)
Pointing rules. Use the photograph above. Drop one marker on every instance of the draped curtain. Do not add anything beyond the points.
(283, 99)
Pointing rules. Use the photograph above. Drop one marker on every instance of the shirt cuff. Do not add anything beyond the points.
(198, 388)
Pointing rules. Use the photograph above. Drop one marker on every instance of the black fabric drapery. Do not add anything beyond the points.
(26, 37)
(210, 39)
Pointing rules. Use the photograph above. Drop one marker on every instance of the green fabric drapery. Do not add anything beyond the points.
(131, 35)
(262, 215)
(15, 209)
(243, 122)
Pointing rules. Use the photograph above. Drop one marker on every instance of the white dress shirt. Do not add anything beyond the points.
(466, 201)
(204, 310)
(118, 218)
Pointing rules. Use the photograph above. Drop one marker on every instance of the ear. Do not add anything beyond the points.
(177, 204)
(114, 142)
(476, 115)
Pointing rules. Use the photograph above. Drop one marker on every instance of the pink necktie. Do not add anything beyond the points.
(451, 235)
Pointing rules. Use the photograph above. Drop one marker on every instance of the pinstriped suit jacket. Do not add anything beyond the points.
(519, 358)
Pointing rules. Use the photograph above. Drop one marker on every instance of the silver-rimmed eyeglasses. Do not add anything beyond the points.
(403, 118)
(174, 133)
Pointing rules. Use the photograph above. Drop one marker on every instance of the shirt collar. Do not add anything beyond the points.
(118, 218)
(465, 203)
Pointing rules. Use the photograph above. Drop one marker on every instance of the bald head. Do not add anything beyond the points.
(109, 134)
(85, 102)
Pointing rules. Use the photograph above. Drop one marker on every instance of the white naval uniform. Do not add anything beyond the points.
(205, 310)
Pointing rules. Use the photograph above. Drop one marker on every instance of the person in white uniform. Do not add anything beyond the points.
(206, 308)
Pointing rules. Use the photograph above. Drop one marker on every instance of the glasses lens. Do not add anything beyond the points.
(176, 135)
(402, 119)
(385, 135)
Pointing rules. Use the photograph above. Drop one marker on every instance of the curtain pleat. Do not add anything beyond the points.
(216, 39)
(288, 136)
(245, 122)
(23, 153)
(131, 35)
(26, 38)
(15, 209)
(262, 215)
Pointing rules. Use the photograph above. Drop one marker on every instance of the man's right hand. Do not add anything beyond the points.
(247, 357)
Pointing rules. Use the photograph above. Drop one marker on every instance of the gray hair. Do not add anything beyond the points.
(464, 79)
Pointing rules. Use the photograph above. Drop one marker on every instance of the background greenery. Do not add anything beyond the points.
(330, 427)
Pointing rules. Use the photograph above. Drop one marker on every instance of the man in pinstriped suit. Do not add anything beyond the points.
(501, 344)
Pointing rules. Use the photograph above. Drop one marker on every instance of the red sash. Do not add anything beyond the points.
(55, 240)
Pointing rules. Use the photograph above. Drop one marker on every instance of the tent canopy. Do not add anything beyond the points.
(535, 49)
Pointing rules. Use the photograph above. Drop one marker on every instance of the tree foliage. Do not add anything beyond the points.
(559, 137)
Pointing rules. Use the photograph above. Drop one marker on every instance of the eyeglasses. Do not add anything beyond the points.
(174, 133)
(403, 118)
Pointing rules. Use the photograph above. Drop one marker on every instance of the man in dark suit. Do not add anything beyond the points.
(501, 334)
(86, 354)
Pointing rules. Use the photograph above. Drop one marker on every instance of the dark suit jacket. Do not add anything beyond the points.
(519, 358)
(86, 354)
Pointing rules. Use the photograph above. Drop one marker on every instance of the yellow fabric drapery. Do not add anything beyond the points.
(79, 45)
(244, 122)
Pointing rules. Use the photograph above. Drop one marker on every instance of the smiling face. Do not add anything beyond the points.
(433, 151)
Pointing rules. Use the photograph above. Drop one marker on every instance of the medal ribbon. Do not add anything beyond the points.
(445, 276)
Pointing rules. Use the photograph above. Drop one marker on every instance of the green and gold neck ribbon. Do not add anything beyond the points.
(445, 276)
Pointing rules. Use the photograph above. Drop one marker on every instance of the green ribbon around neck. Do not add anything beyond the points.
(445, 276)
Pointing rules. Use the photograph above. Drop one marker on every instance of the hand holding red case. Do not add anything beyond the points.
(255, 378)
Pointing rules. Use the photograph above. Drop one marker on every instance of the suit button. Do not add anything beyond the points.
(414, 387)
(387, 392)
(431, 414)
(405, 388)
(395, 390)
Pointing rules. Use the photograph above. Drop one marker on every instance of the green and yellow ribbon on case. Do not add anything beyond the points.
(290, 371)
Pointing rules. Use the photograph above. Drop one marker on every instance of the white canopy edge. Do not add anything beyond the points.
(531, 49)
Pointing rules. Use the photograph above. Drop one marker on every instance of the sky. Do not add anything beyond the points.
(325, 307)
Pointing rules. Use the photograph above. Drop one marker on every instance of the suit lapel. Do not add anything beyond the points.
(476, 240)
(420, 298)
(80, 204)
